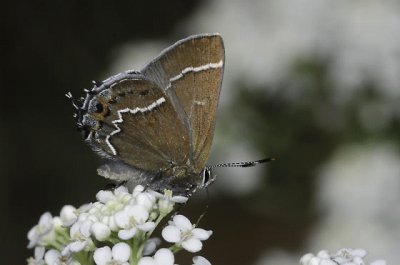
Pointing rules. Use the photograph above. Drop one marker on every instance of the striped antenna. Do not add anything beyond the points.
(243, 164)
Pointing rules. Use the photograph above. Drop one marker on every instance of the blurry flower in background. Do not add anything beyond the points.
(343, 256)
(358, 194)
(266, 37)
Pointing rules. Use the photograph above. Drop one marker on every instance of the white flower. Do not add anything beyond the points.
(167, 201)
(163, 256)
(199, 260)
(118, 255)
(132, 219)
(80, 233)
(182, 232)
(44, 231)
(38, 257)
(345, 256)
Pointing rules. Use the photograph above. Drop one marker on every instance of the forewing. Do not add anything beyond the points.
(191, 73)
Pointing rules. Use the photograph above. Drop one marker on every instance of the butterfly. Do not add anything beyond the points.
(155, 127)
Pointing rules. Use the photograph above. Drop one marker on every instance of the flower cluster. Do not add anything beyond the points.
(344, 256)
(115, 230)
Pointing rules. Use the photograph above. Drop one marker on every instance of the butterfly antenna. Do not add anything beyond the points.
(244, 164)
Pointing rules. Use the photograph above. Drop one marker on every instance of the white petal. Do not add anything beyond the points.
(201, 233)
(171, 234)
(147, 261)
(146, 200)
(314, 261)
(100, 231)
(39, 253)
(105, 196)
(113, 224)
(78, 246)
(57, 223)
(155, 194)
(151, 245)
(85, 228)
(45, 219)
(127, 234)
(192, 245)
(52, 256)
(66, 251)
(68, 215)
(32, 233)
(122, 219)
(121, 252)
(74, 230)
(306, 259)
(328, 262)
(199, 260)
(138, 212)
(121, 190)
(137, 190)
(86, 207)
(147, 226)
(179, 199)
(323, 254)
(33, 237)
(182, 222)
(102, 255)
(358, 261)
(164, 256)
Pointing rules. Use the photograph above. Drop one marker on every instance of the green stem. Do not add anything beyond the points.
(133, 259)
(148, 234)
(175, 248)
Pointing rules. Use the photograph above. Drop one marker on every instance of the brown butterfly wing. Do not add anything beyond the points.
(191, 74)
(139, 125)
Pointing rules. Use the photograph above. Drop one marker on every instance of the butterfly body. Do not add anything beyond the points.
(155, 126)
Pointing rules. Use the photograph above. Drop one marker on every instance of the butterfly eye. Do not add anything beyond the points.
(206, 175)
(99, 108)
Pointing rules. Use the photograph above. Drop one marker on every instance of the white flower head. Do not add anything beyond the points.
(38, 257)
(131, 219)
(163, 256)
(167, 201)
(182, 232)
(118, 255)
(80, 233)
